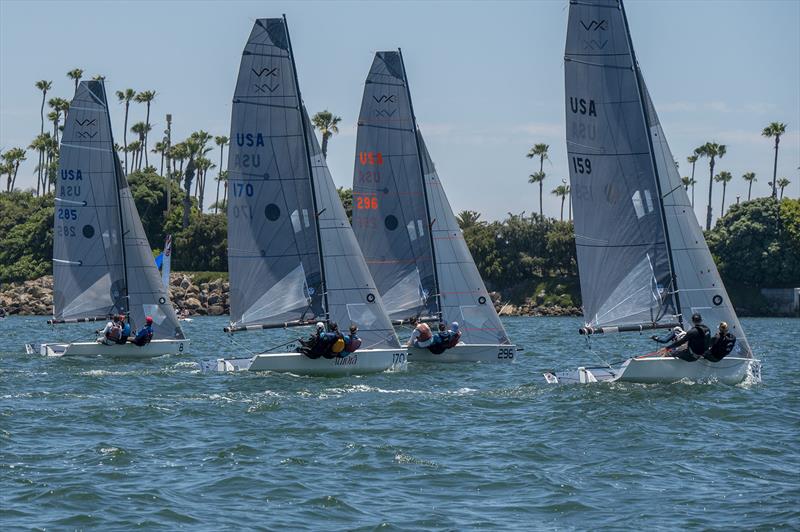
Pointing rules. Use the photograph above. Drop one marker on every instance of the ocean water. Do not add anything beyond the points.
(109, 445)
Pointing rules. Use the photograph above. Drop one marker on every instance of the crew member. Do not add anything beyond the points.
(675, 334)
(441, 340)
(112, 332)
(421, 337)
(309, 347)
(145, 334)
(721, 345)
(126, 330)
(333, 341)
(351, 341)
(697, 339)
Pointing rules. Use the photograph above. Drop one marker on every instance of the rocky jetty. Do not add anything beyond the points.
(204, 299)
(211, 299)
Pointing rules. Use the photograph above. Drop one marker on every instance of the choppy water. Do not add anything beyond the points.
(157, 445)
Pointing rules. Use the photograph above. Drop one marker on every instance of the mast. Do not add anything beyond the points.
(310, 169)
(636, 74)
(424, 186)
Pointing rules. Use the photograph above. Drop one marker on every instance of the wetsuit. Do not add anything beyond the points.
(721, 346)
(697, 338)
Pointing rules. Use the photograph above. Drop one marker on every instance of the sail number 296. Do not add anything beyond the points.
(582, 165)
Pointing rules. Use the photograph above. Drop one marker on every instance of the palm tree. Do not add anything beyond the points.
(76, 74)
(686, 181)
(192, 146)
(44, 86)
(711, 150)
(134, 147)
(58, 105)
(723, 177)
(141, 129)
(783, 182)
(327, 123)
(540, 151)
(125, 97)
(146, 97)
(467, 219)
(561, 191)
(693, 160)
(220, 141)
(203, 166)
(98, 77)
(223, 176)
(13, 158)
(160, 148)
(775, 129)
(749, 177)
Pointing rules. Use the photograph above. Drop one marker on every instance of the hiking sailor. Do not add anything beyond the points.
(145, 334)
(721, 345)
(126, 330)
(445, 339)
(697, 340)
(421, 337)
(676, 333)
(351, 341)
(333, 341)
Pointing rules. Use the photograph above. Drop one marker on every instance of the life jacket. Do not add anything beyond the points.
(114, 333)
(353, 342)
(338, 345)
(424, 332)
(700, 346)
(722, 347)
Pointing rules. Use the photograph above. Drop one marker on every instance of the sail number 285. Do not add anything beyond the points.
(582, 165)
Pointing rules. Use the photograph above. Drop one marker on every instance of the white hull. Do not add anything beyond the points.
(360, 362)
(664, 370)
(486, 353)
(155, 348)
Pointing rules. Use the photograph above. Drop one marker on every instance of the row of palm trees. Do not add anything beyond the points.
(710, 150)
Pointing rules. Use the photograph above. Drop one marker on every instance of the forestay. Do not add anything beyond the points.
(389, 215)
(642, 257)
(102, 263)
(292, 251)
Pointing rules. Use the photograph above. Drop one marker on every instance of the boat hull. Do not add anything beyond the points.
(360, 362)
(155, 348)
(486, 353)
(662, 370)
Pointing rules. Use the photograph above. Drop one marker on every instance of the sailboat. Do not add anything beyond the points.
(292, 255)
(407, 231)
(102, 261)
(643, 262)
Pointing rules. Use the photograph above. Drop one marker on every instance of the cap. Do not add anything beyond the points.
(320, 326)
(148, 320)
(723, 326)
(455, 326)
(697, 317)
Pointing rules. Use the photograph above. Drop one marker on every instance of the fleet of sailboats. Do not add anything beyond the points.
(295, 260)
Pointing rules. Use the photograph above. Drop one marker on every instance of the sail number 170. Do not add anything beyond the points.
(582, 165)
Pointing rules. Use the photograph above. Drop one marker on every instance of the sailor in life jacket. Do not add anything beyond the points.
(721, 345)
(145, 334)
(677, 333)
(697, 340)
(331, 343)
(112, 332)
(351, 341)
(313, 347)
(421, 337)
(445, 339)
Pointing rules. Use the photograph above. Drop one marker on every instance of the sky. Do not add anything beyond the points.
(487, 79)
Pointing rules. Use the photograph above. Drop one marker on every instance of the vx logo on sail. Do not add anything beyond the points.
(265, 71)
(383, 112)
(594, 45)
(86, 134)
(264, 87)
(86, 122)
(595, 25)
(385, 98)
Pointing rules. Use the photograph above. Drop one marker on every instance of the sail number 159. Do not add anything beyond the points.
(582, 165)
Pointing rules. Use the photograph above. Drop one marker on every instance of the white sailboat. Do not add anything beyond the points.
(292, 255)
(102, 262)
(411, 239)
(642, 258)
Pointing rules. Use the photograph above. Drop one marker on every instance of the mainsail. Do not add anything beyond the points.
(642, 257)
(292, 254)
(102, 262)
(403, 220)
(390, 217)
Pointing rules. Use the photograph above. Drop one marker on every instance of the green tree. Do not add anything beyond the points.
(540, 151)
(146, 97)
(149, 194)
(724, 178)
(467, 219)
(125, 97)
(202, 244)
(775, 130)
(346, 197)
(328, 125)
(712, 151)
(783, 182)
(26, 236)
(692, 159)
(221, 141)
(561, 191)
(141, 129)
(749, 177)
(75, 74)
(44, 86)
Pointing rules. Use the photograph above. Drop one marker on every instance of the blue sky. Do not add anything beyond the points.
(486, 78)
